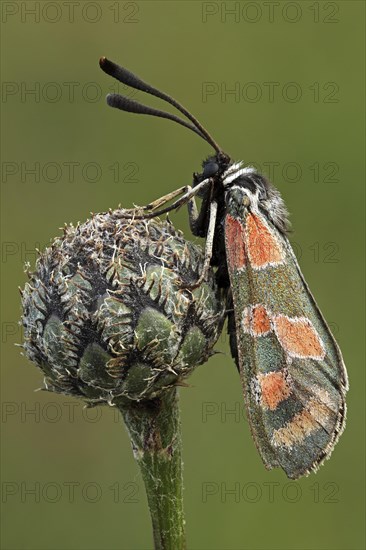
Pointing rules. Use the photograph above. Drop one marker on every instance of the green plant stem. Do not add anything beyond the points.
(154, 429)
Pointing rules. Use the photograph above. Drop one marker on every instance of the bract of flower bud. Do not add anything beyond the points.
(109, 313)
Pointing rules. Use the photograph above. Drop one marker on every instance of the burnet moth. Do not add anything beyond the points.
(292, 372)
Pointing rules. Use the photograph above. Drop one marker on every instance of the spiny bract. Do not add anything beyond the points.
(108, 312)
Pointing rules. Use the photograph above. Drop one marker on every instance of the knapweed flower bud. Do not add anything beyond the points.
(108, 312)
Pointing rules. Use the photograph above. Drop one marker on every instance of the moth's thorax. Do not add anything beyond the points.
(238, 188)
(235, 171)
(245, 189)
(239, 199)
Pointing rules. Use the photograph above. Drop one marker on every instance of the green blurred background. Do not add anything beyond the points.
(298, 74)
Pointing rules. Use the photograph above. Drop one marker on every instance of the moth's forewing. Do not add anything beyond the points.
(292, 372)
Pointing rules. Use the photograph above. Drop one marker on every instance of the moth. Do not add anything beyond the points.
(292, 372)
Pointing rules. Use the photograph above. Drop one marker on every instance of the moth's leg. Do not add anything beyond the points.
(177, 204)
(166, 198)
(198, 219)
(209, 240)
(209, 245)
(193, 213)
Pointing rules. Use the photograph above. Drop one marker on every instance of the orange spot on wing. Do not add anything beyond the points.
(298, 337)
(263, 247)
(260, 320)
(235, 247)
(255, 320)
(274, 389)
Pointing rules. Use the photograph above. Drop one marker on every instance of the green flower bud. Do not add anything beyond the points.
(108, 312)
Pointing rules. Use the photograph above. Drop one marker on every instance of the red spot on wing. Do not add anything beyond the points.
(263, 247)
(255, 320)
(298, 337)
(260, 320)
(274, 389)
(234, 241)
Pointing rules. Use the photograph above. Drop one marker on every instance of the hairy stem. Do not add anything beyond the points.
(154, 429)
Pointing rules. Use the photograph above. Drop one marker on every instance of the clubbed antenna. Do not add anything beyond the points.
(126, 77)
(131, 106)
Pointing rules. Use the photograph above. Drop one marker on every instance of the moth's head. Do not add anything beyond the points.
(213, 167)
(245, 190)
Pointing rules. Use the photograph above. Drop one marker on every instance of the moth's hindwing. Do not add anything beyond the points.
(292, 372)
